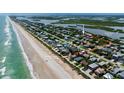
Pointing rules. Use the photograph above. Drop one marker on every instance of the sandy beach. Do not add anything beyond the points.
(43, 63)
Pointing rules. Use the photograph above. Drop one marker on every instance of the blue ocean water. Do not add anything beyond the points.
(12, 62)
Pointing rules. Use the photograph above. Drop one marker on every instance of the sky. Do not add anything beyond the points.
(61, 14)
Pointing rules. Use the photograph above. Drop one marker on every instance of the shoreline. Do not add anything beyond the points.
(50, 66)
(22, 49)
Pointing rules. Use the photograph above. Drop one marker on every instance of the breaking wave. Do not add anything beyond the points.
(2, 71)
(3, 60)
(8, 33)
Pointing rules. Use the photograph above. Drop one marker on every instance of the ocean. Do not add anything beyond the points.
(12, 61)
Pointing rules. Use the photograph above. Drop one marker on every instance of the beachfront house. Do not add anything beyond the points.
(89, 71)
(84, 63)
(64, 51)
(73, 50)
(78, 59)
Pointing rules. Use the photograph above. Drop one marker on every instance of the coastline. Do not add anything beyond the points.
(44, 68)
(23, 52)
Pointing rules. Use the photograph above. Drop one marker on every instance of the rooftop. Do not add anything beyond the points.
(78, 59)
(108, 76)
(115, 70)
(93, 66)
(102, 63)
(121, 75)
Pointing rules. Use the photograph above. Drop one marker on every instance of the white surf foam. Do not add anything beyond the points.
(8, 33)
(23, 52)
(3, 60)
(7, 43)
(3, 70)
(6, 29)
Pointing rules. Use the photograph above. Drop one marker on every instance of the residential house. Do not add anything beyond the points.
(78, 59)
(88, 71)
(63, 51)
(93, 66)
(121, 46)
(73, 50)
(115, 71)
(121, 75)
(93, 59)
(103, 63)
(99, 71)
(108, 76)
(84, 63)
(117, 55)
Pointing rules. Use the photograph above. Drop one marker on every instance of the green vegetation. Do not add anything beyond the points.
(105, 28)
(92, 22)
(45, 17)
(96, 24)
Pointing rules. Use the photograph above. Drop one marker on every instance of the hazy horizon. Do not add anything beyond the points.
(64, 14)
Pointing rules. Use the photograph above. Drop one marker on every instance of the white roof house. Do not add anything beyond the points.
(108, 76)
